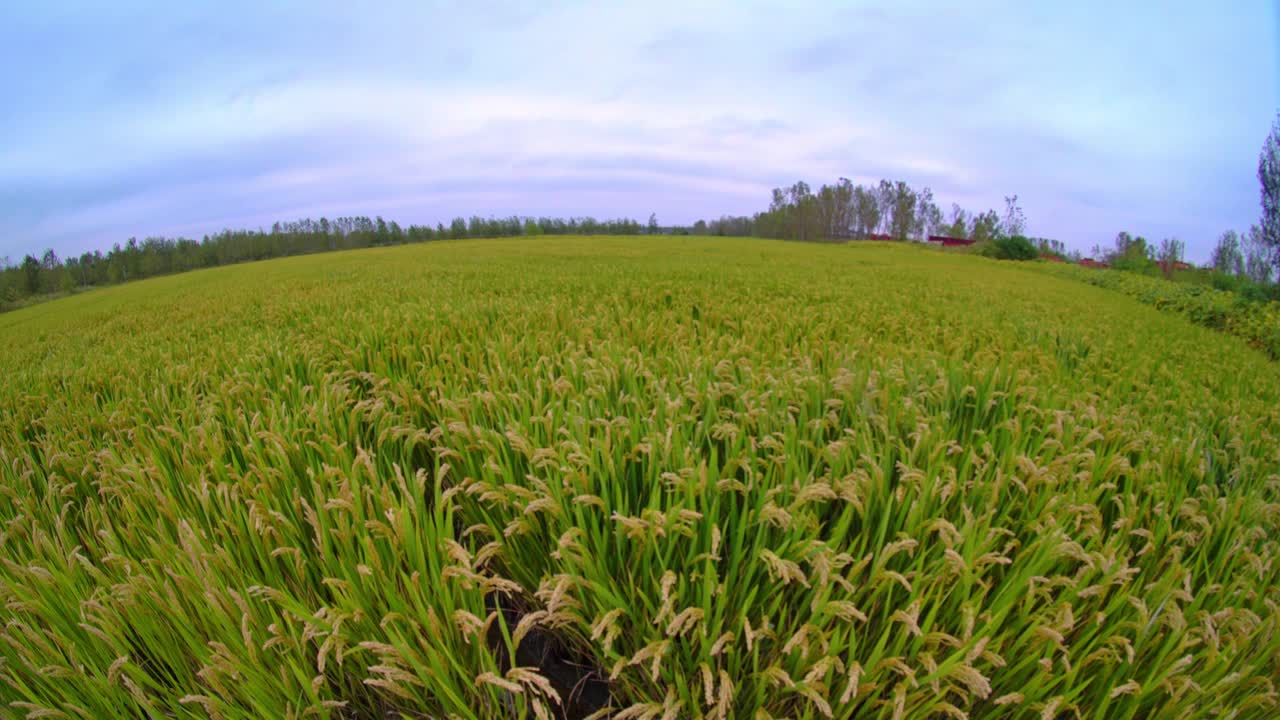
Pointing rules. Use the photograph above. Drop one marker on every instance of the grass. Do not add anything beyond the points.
(738, 478)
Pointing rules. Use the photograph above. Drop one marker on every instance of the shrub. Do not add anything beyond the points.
(983, 248)
(1013, 247)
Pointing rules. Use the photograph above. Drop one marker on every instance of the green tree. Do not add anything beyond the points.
(800, 212)
(835, 210)
(986, 226)
(653, 223)
(959, 225)
(458, 228)
(1269, 177)
(903, 221)
(929, 216)
(866, 211)
(1258, 262)
(884, 199)
(50, 270)
(30, 275)
(1015, 223)
(9, 284)
(1170, 255)
(1226, 257)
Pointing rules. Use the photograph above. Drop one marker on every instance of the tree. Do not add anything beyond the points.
(1269, 177)
(1015, 223)
(902, 222)
(835, 216)
(1258, 256)
(1226, 257)
(1048, 246)
(9, 284)
(928, 214)
(866, 211)
(803, 211)
(653, 223)
(959, 225)
(884, 199)
(986, 226)
(1122, 243)
(1170, 255)
(30, 275)
(1131, 253)
(700, 227)
(458, 228)
(50, 271)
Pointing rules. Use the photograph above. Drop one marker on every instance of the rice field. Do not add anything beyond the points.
(637, 478)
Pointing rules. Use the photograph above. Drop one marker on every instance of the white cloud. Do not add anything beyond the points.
(207, 116)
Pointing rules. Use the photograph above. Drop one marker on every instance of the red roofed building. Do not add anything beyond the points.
(945, 241)
(1091, 263)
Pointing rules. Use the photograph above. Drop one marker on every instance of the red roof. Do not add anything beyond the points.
(1091, 263)
(949, 241)
(873, 236)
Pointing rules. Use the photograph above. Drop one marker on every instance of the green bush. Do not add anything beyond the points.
(1013, 247)
(983, 248)
(1225, 282)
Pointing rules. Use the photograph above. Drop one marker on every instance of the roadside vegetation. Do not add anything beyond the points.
(1256, 321)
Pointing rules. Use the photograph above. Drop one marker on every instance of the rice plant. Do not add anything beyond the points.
(633, 478)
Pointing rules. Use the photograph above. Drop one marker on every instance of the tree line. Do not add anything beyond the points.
(1244, 262)
(47, 274)
(1243, 255)
(888, 210)
(1253, 257)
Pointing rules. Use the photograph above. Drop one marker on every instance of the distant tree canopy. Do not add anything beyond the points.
(161, 256)
(841, 211)
(1268, 231)
(1227, 257)
(887, 211)
(1240, 262)
(1128, 252)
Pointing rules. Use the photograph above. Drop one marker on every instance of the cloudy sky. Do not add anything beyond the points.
(131, 118)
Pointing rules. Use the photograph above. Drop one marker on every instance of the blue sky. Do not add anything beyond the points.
(133, 119)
